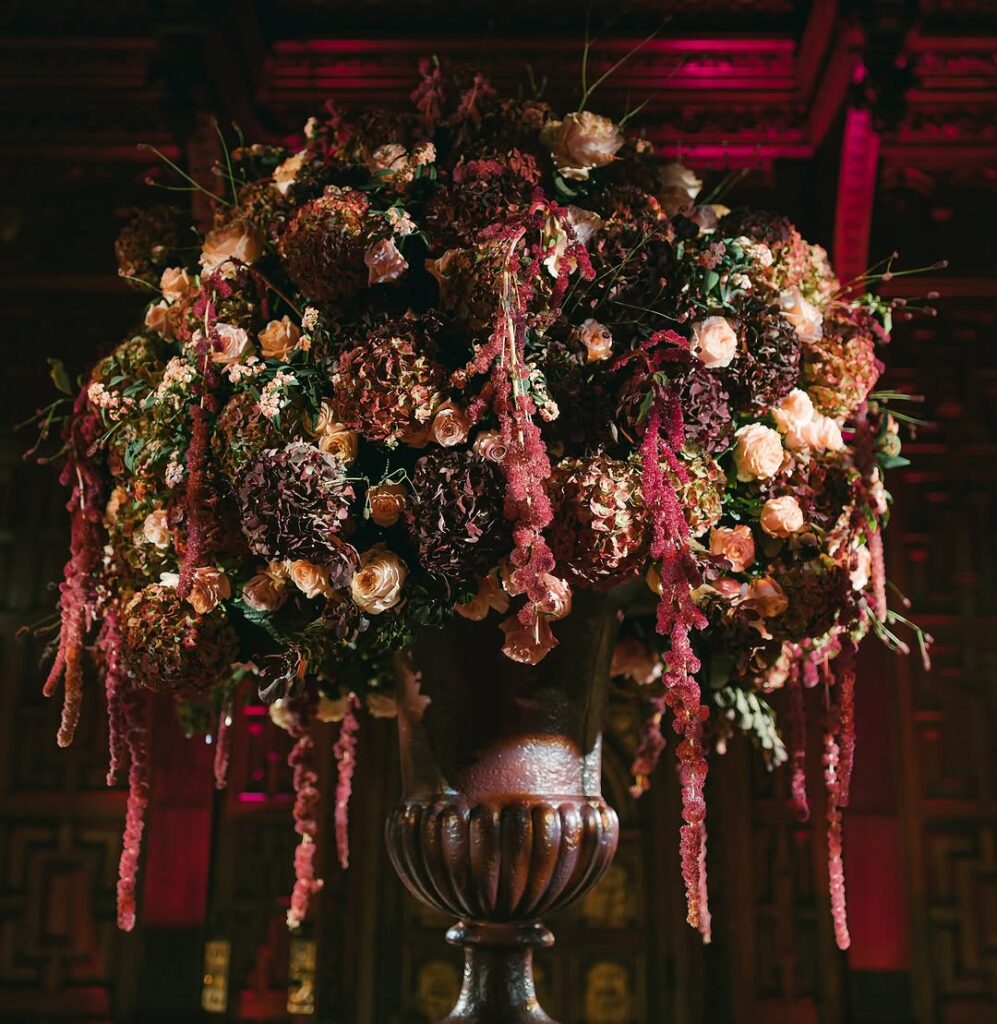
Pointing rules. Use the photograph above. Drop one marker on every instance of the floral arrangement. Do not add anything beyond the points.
(464, 361)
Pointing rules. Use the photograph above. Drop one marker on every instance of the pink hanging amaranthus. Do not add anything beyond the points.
(223, 746)
(115, 683)
(798, 742)
(306, 799)
(835, 839)
(345, 751)
(135, 708)
(677, 615)
(526, 464)
(76, 592)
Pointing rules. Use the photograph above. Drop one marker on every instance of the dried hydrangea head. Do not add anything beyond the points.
(840, 368)
(767, 366)
(389, 387)
(295, 502)
(171, 648)
(323, 246)
(600, 533)
(456, 516)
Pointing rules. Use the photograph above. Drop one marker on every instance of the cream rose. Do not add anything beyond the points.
(714, 341)
(155, 529)
(286, 173)
(556, 603)
(265, 592)
(175, 283)
(489, 445)
(229, 344)
(736, 544)
(209, 586)
(821, 434)
(758, 452)
(489, 596)
(677, 187)
(279, 338)
(388, 160)
(584, 223)
(338, 440)
(238, 240)
(597, 339)
(781, 516)
(582, 141)
(312, 580)
(803, 315)
(387, 502)
(377, 586)
(384, 262)
(450, 425)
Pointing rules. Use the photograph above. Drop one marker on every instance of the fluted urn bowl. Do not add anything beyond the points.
(502, 818)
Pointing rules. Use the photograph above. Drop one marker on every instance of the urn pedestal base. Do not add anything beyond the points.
(498, 983)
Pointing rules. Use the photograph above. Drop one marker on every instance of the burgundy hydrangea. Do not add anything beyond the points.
(170, 648)
(388, 387)
(323, 246)
(767, 365)
(600, 533)
(455, 518)
(295, 503)
(147, 245)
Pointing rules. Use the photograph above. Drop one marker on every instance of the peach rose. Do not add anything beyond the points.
(239, 240)
(209, 586)
(527, 644)
(387, 502)
(229, 344)
(635, 661)
(384, 261)
(489, 445)
(155, 530)
(803, 315)
(757, 452)
(597, 339)
(377, 585)
(279, 339)
(791, 412)
(781, 516)
(714, 341)
(312, 580)
(266, 591)
(114, 503)
(766, 597)
(821, 434)
(339, 440)
(489, 596)
(582, 141)
(175, 283)
(450, 425)
(736, 544)
(286, 173)
(728, 587)
(157, 318)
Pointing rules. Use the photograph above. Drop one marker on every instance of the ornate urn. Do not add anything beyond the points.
(502, 818)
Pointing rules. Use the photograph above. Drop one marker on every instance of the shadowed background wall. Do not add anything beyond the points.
(872, 125)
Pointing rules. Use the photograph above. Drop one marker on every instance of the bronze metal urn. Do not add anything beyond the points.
(502, 818)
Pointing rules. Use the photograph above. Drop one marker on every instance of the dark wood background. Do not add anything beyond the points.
(873, 125)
